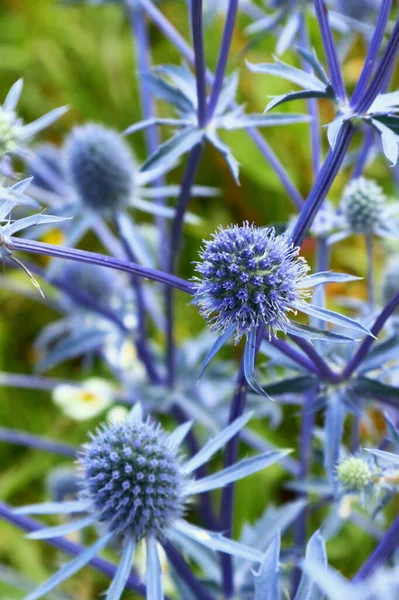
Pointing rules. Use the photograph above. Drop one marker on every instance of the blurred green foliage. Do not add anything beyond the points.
(84, 57)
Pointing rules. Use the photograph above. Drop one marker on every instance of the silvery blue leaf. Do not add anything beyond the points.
(249, 362)
(228, 93)
(241, 469)
(177, 436)
(61, 530)
(267, 578)
(311, 333)
(170, 151)
(372, 388)
(289, 32)
(334, 128)
(70, 568)
(291, 96)
(39, 219)
(332, 583)
(393, 458)
(334, 426)
(384, 102)
(167, 212)
(53, 508)
(137, 244)
(315, 552)
(70, 348)
(311, 58)
(173, 95)
(220, 342)
(218, 542)
(155, 121)
(20, 187)
(43, 122)
(383, 352)
(13, 96)
(331, 317)
(325, 277)
(121, 576)
(262, 120)
(153, 571)
(214, 444)
(232, 163)
(389, 139)
(286, 71)
(182, 78)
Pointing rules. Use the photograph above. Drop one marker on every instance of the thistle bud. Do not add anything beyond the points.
(363, 203)
(354, 474)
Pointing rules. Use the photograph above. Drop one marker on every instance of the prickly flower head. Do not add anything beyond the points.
(10, 131)
(248, 276)
(99, 167)
(132, 475)
(363, 203)
(354, 473)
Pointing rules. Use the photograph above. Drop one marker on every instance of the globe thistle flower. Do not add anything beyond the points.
(250, 277)
(390, 281)
(364, 210)
(136, 484)
(13, 132)
(100, 167)
(354, 473)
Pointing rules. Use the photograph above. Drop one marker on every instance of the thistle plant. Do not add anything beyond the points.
(175, 412)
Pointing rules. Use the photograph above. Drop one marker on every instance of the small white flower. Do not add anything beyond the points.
(86, 401)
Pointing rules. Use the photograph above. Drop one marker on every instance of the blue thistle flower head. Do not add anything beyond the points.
(132, 476)
(100, 167)
(363, 205)
(249, 276)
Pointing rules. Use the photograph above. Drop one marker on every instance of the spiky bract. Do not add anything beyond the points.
(249, 276)
(10, 131)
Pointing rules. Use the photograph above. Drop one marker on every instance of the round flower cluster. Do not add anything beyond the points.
(249, 276)
(363, 203)
(100, 167)
(10, 131)
(390, 281)
(354, 473)
(133, 477)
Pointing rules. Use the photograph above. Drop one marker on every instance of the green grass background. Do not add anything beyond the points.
(83, 57)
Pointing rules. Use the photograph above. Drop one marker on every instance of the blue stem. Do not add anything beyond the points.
(223, 57)
(384, 550)
(33, 247)
(199, 58)
(337, 80)
(372, 54)
(21, 438)
(185, 573)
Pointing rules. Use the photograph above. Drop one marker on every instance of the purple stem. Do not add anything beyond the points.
(187, 52)
(33, 247)
(21, 438)
(312, 103)
(323, 183)
(223, 57)
(141, 340)
(382, 552)
(185, 573)
(337, 81)
(103, 566)
(227, 502)
(324, 370)
(367, 343)
(182, 203)
(373, 51)
(305, 449)
(364, 153)
(199, 58)
(32, 382)
(303, 361)
(140, 37)
(379, 80)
